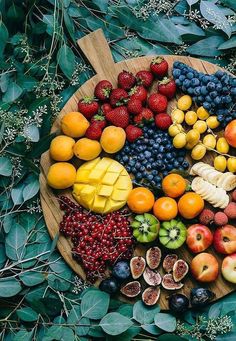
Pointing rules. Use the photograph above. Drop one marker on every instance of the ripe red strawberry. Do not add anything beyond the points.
(133, 132)
(167, 87)
(88, 107)
(138, 92)
(118, 97)
(99, 120)
(102, 90)
(106, 107)
(126, 80)
(118, 117)
(144, 78)
(94, 131)
(146, 115)
(159, 67)
(157, 102)
(134, 106)
(163, 121)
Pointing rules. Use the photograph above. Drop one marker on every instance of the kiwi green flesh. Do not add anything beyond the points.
(172, 234)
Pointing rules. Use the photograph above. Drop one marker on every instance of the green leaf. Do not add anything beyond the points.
(23, 335)
(13, 92)
(173, 337)
(215, 310)
(15, 13)
(26, 82)
(127, 17)
(152, 329)
(17, 236)
(3, 257)
(69, 25)
(144, 314)
(17, 194)
(31, 189)
(192, 2)
(191, 29)
(126, 310)
(207, 47)
(4, 81)
(31, 278)
(166, 322)
(28, 221)
(3, 36)
(229, 3)
(75, 318)
(115, 323)
(9, 287)
(95, 304)
(2, 129)
(229, 44)
(5, 166)
(8, 222)
(31, 132)
(41, 146)
(66, 60)
(212, 13)
(27, 314)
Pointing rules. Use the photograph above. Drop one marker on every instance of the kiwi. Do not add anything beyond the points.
(172, 234)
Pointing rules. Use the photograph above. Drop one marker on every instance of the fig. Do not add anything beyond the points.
(131, 289)
(169, 283)
(180, 270)
(178, 303)
(172, 234)
(200, 297)
(169, 262)
(151, 295)
(109, 285)
(121, 270)
(137, 266)
(151, 277)
(153, 257)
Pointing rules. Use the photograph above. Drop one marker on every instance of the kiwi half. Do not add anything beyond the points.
(172, 234)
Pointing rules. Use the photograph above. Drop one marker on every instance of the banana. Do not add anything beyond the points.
(229, 181)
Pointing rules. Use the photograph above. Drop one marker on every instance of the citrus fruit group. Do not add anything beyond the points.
(165, 208)
(190, 205)
(174, 185)
(140, 200)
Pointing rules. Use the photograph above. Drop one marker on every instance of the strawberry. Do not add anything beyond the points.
(133, 132)
(99, 120)
(119, 117)
(126, 80)
(144, 78)
(106, 107)
(102, 90)
(88, 107)
(157, 102)
(146, 115)
(159, 67)
(138, 92)
(94, 131)
(118, 97)
(163, 121)
(134, 106)
(167, 87)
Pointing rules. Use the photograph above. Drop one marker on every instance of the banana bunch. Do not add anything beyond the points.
(225, 181)
(217, 197)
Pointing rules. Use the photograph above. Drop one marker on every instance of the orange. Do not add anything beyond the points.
(174, 185)
(61, 175)
(140, 200)
(190, 205)
(74, 124)
(165, 208)
(61, 148)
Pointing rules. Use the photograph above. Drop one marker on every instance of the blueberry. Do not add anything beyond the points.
(211, 86)
(200, 99)
(181, 78)
(197, 90)
(149, 166)
(225, 90)
(161, 149)
(165, 173)
(213, 94)
(217, 100)
(219, 74)
(228, 99)
(233, 91)
(204, 90)
(147, 154)
(208, 99)
(158, 178)
(228, 119)
(176, 73)
(121, 270)
(190, 91)
(185, 164)
(220, 118)
(218, 87)
(186, 83)
(128, 168)
(206, 105)
(154, 172)
(139, 176)
(190, 75)
(205, 79)
(176, 164)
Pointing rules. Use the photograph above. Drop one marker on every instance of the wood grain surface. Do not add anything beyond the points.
(97, 51)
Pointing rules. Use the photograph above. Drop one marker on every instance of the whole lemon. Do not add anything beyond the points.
(61, 175)
(61, 148)
(113, 139)
(74, 124)
(184, 102)
(86, 149)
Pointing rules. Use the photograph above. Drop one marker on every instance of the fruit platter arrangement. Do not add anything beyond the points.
(140, 181)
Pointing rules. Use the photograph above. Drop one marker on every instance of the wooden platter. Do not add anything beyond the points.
(97, 51)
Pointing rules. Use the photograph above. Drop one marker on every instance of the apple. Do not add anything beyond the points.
(228, 268)
(230, 133)
(204, 267)
(199, 238)
(224, 239)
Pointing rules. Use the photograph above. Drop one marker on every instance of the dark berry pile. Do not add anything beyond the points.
(97, 240)
(152, 156)
(216, 92)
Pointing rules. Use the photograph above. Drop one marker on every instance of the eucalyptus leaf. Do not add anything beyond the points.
(31, 278)
(17, 194)
(229, 3)
(144, 314)
(3, 257)
(41, 146)
(95, 304)
(192, 2)
(9, 287)
(23, 335)
(229, 44)
(207, 47)
(115, 323)
(151, 328)
(15, 242)
(4, 81)
(27, 82)
(5, 166)
(75, 318)
(31, 132)
(66, 60)
(27, 314)
(3, 36)
(165, 322)
(13, 92)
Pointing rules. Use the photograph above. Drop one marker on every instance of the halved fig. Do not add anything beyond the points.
(151, 277)
(131, 289)
(180, 270)
(151, 295)
(169, 262)
(169, 283)
(137, 266)
(153, 257)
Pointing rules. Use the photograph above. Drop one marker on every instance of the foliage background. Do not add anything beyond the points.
(40, 68)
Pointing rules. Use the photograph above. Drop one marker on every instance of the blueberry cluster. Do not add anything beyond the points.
(152, 156)
(216, 92)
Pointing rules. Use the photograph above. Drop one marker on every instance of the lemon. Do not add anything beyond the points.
(177, 116)
(231, 164)
(198, 152)
(179, 141)
(209, 141)
(190, 117)
(201, 126)
(61, 175)
(86, 149)
(220, 163)
(212, 122)
(174, 129)
(184, 102)
(202, 113)
(222, 145)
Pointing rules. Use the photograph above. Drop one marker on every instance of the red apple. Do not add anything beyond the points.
(224, 239)
(228, 268)
(230, 133)
(204, 267)
(199, 238)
